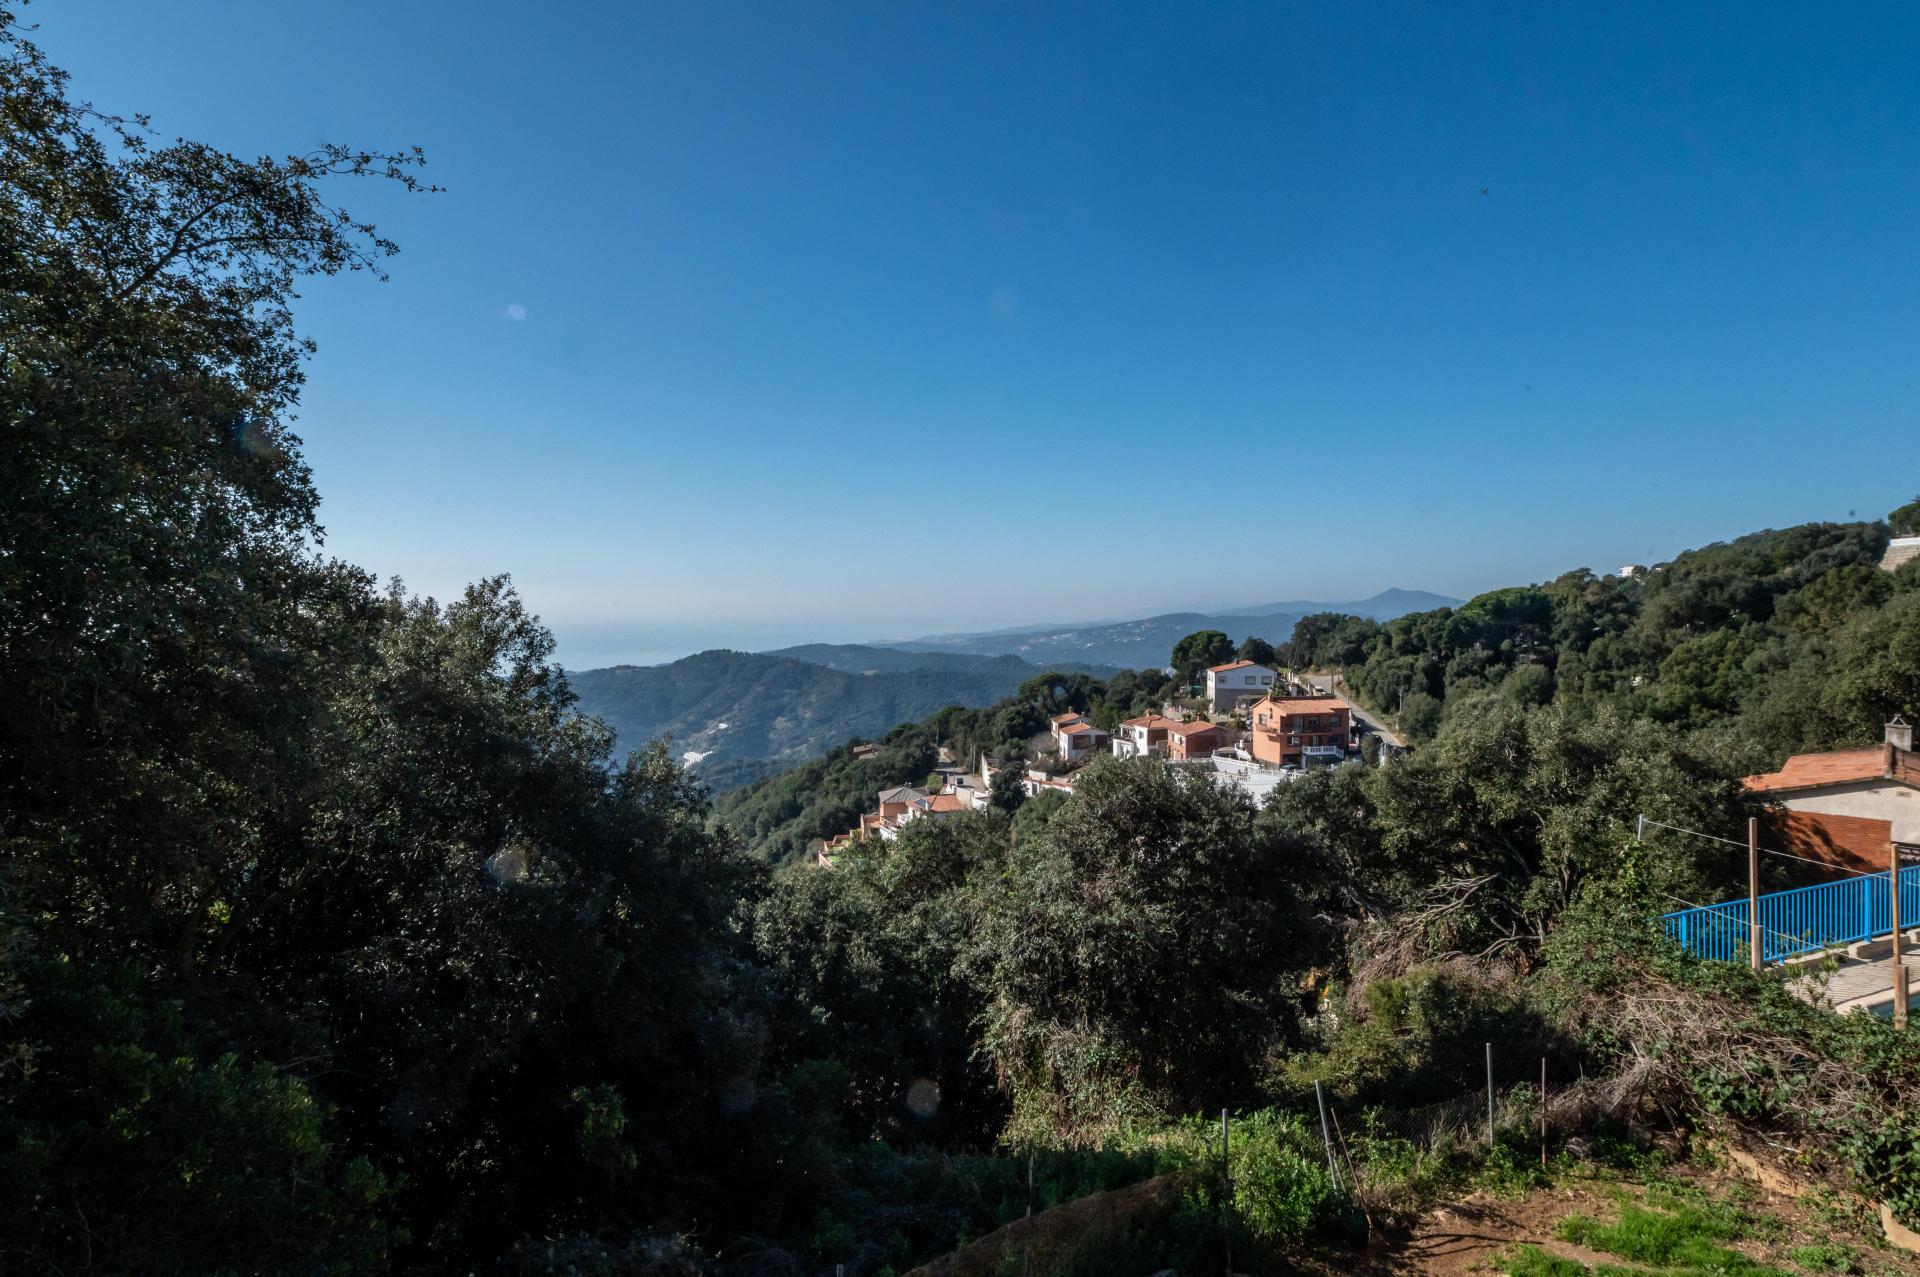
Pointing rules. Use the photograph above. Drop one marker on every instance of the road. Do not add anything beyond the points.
(1368, 723)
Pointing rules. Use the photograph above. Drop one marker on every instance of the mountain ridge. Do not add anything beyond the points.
(1147, 641)
(734, 715)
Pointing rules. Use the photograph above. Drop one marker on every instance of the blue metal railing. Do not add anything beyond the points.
(1803, 920)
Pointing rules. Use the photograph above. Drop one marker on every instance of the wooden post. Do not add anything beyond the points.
(1899, 967)
(1753, 892)
(1543, 1110)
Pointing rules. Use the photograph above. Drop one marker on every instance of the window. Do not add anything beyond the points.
(1295, 740)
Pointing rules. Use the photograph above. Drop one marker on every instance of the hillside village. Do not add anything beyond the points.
(1244, 726)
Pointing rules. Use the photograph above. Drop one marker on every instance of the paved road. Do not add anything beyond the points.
(1368, 723)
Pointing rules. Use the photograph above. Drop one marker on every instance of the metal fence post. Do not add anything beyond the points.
(1226, 1199)
(1326, 1140)
(1489, 1095)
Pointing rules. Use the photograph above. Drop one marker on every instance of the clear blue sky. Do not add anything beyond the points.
(753, 322)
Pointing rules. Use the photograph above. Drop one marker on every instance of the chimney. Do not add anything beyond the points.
(1899, 733)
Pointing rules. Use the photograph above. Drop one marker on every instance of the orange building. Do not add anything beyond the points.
(1297, 731)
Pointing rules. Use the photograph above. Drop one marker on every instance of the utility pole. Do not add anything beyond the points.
(1753, 891)
(1899, 967)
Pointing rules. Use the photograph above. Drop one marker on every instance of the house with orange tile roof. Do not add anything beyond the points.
(1300, 731)
(1236, 683)
(934, 807)
(1138, 737)
(1197, 739)
(1078, 739)
(1845, 806)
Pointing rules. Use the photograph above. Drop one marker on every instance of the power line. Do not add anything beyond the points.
(1765, 851)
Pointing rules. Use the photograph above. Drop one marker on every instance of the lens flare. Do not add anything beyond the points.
(508, 866)
(923, 1098)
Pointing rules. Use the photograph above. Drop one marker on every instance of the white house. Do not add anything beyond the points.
(1237, 682)
(933, 807)
(1078, 738)
(1141, 736)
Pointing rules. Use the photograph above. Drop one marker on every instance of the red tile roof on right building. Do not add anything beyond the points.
(1845, 807)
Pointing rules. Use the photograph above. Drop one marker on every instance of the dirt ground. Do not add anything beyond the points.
(1469, 1234)
(1466, 1236)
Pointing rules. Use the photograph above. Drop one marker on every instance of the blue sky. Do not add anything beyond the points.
(748, 323)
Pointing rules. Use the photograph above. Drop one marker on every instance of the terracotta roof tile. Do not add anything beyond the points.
(1152, 722)
(1839, 767)
(1305, 704)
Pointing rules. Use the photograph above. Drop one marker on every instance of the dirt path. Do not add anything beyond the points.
(1466, 1235)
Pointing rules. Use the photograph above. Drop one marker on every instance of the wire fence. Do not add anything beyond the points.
(1375, 1151)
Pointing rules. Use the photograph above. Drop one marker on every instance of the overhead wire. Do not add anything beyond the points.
(1765, 851)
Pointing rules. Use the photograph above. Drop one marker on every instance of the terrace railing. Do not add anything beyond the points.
(1802, 920)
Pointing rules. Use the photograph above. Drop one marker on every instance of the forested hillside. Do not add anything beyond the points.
(1795, 635)
(731, 714)
(334, 940)
(779, 815)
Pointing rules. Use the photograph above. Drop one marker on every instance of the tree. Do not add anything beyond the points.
(1142, 955)
(1200, 650)
(863, 960)
(1420, 717)
(1007, 791)
(321, 882)
(1905, 521)
(1256, 649)
(1478, 842)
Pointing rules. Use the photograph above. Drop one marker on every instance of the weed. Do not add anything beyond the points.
(1513, 1172)
(1827, 1257)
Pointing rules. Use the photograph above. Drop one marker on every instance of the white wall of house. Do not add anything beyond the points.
(1228, 686)
(1870, 799)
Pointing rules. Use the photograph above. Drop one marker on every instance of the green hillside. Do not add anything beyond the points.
(733, 714)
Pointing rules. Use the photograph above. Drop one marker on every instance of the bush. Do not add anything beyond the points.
(125, 1148)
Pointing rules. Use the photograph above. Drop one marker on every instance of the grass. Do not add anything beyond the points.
(1531, 1261)
(1684, 1240)
(1827, 1257)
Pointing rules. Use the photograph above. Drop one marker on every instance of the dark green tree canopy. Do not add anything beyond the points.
(1256, 649)
(1198, 651)
(1905, 521)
